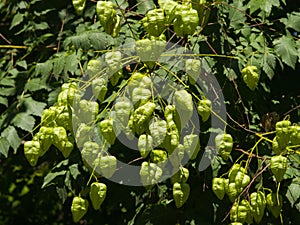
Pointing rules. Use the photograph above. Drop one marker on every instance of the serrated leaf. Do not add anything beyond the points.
(7, 81)
(74, 170)
(285, 47)
(4, 146)
(293, 192)
(71, 64)
(292, 21)
(35, 84)
(62, 193)
(264, 5)
(268, 64)
(11, 135)
(144, 6)
(5, 91)
(34, 107)
(51, 176)
(3, 101)
(18, 18)
(44, 68)
(237, 17)
(24, 121)
(22, 64)
(58, 65)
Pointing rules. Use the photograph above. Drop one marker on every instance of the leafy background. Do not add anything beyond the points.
(44, 44)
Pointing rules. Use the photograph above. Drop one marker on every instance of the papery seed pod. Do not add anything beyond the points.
(278, 166)
(79, 208)
(97, 194)
(258, 204)
(250, 76)
(181, 192)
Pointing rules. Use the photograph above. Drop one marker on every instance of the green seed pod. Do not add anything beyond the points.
(250, 76)
(86, 111)
(66, 147)
(181, 176)
(158, 156)
(204, 109)
(108, 17)
(184, 106)
(49, 117)
(181, 192)
(106, 165)
(99, 86)
(186, 20)
(107, 130)
(193, 69)
(32, 152)
(219, 187)
(177, 156)
(142, 116)
(64, 117)
(224, 144)
(150, 174)
(84, 133)
(59, 137)
(191, 144)
(169, 7)
(274, 204)
(283, 132)
(154, 22)
(277, 146)
(67, 95)
(238, 175)
(278, 165)
(158, 131)
(249, 218)
(97, 194)
(123, 109)
(258, 204)
(149, 50)
(238, 213)
(94, 67)
(79, 6)
(90, 152)
(295, 134)
(79, 208)
(45, 137)
(141, 95)
(233, 191)
(145, 145)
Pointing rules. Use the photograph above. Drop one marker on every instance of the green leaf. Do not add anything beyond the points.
(34, 107)
(22, 64)
(144, 6)
(18, 18)
(11, 135)
(264, 5)
(24, 121)
(7, 81)
(268, 64)
(292, 21)
(237, 17)
(35, 84)
(3, 101)
(44, 68)
(49, 178)
(293, 192)
(4, 146)
(74, 170)
(5, 91)
(285, 47)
